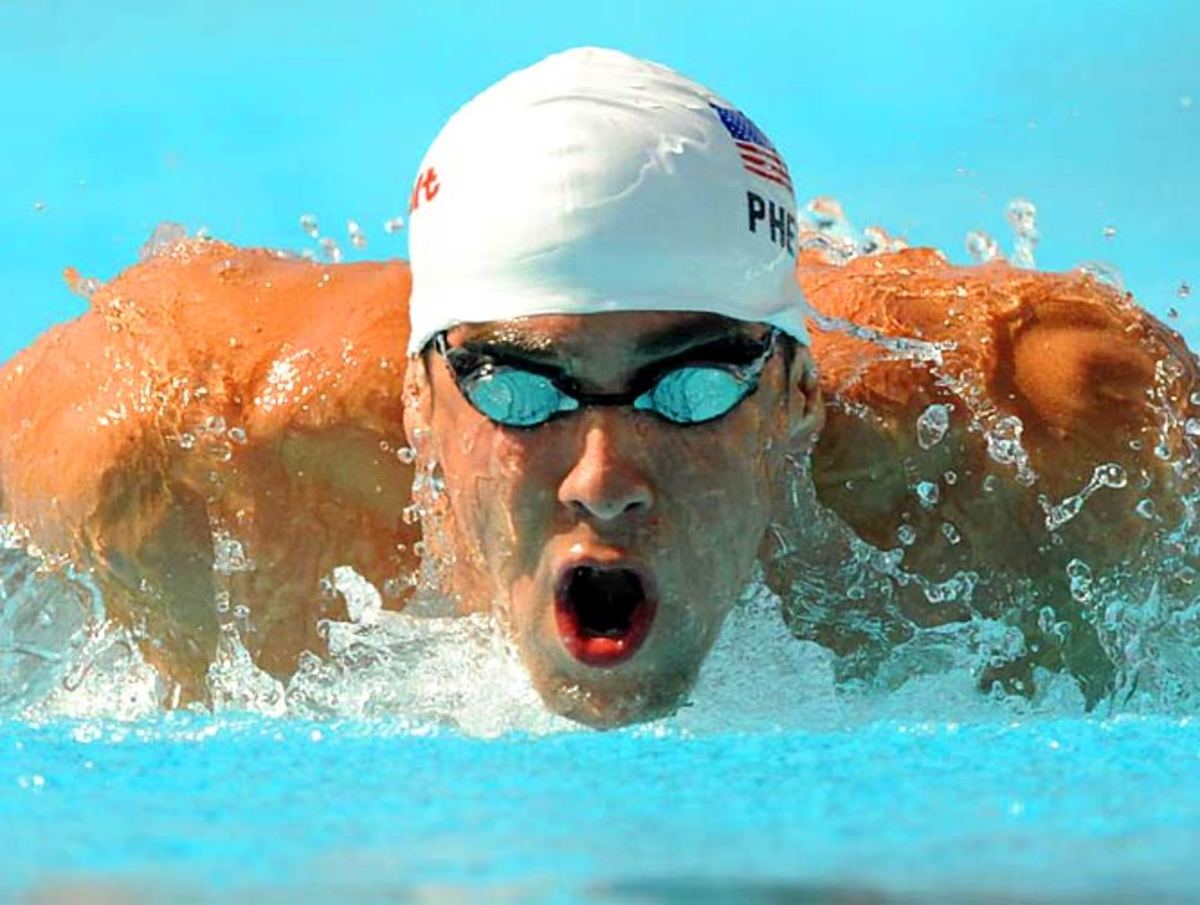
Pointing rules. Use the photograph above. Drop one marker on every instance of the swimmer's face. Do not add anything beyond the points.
(611, 542)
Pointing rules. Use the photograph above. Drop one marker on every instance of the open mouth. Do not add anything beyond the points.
(603, 614)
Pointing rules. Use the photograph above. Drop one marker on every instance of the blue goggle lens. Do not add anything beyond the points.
(515, 397)
(693, 395)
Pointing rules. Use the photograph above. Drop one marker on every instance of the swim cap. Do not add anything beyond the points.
(594, 181)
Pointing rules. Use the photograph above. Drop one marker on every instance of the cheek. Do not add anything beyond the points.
(501, 487)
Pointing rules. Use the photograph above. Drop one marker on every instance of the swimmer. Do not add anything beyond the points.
(599, 373)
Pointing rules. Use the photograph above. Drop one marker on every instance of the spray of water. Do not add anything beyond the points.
(845, 644)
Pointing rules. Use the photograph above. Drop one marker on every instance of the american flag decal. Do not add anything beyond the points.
(758, 154)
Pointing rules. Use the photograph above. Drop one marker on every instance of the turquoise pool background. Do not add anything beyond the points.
(924, 117)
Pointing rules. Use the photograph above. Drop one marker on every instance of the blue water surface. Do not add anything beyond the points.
(1049, 810)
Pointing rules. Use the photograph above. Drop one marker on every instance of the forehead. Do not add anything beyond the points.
(618, 337)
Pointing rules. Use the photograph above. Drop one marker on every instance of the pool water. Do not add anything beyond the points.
(246, 808)
(416, 763)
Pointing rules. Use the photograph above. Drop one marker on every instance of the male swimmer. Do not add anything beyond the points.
(604, 371)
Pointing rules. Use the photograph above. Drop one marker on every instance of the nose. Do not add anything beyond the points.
(606, 480)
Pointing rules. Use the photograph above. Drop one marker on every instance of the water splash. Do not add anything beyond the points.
(165, 238)
(1022, 218)
(982, 247)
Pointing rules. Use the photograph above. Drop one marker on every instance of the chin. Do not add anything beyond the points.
(610, 703)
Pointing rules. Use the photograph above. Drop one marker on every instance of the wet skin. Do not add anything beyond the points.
(109, 455)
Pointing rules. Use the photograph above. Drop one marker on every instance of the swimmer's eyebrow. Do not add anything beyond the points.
(517, 344)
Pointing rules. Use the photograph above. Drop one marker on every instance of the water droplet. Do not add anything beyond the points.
(1183, 291)
(1110, 475)
(308, 223)
(950, 477)
(906, 535)
(393, 225)
(1022, 217)
(330, 250)
(222, 452)
(982, 247)
(1103, 272)
(237, 435)
(357, 238)
(1110, 232)
(1145, 508)
(163, 239)
(928, 494)
(1079, 575)
(932, 425)
(406, 454)
(825, 211)
(411, 514)
(187, 441)
(214, 424)
(950, 533)
(39, 206)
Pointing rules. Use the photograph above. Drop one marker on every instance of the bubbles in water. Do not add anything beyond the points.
(357, 238)
(1183, 291)
(39, 206)
(950, 533)
(308, 223)
(1186, 101)
(906, 535)
(393, 225)
(932, 425)
(1110, 232)
(187, 441)
(982, 247)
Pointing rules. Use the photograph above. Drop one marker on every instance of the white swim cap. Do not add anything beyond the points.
(594, 181)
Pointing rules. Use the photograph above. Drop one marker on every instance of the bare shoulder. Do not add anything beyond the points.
(222, 421)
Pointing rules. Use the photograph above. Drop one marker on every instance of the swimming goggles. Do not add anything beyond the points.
(695, 387)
